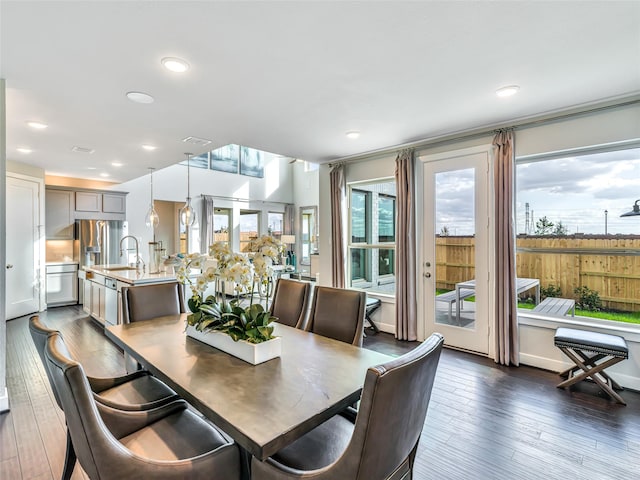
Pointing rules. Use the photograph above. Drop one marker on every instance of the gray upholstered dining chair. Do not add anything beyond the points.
(145, 302)
(290, 302)
(134, 392)
(377, 442)
(169, 442)
(338, 313)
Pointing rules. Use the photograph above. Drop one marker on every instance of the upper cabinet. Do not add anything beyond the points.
(114, 203)
(64, 206)
(95, 205)
(88, 202)
(59, 214)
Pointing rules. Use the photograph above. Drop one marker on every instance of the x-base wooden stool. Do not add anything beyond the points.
(611, 349)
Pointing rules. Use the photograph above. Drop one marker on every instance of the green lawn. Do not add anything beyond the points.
(627, 317)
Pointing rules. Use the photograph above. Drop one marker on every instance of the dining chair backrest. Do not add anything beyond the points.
(77, 401)
(290, 302)
(195, 450)
(145, 302)
(338, 313)
(393, 409)
(39, 334)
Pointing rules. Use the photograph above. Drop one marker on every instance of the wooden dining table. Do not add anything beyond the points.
(262, 407)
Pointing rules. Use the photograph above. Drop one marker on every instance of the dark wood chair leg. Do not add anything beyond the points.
(69, 459)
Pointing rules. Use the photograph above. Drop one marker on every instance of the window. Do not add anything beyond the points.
(221, 222)
(372, 236)
(249, 228)
(571, 235)
(276, 222)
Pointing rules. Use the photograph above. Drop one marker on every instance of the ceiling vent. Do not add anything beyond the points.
(201, 142)
(82, 149)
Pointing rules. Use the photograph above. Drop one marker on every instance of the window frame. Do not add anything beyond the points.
(371, 247)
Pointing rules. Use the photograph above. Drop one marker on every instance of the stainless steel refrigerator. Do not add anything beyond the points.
(98, 243)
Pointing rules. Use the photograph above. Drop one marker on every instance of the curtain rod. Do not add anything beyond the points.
(245, 200)
(523, 123)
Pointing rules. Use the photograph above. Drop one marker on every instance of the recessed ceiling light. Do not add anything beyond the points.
(149, 147)
(24, 150)
(140, 97)
(175, 64)
(507, 91)
(104, 174)
(352, 134)
(116, 164)
(37, 125)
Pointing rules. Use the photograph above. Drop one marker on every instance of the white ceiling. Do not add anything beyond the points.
(293, 77)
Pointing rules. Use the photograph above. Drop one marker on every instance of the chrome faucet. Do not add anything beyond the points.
(138, 258)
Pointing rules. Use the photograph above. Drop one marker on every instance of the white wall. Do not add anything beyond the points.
(170, 184)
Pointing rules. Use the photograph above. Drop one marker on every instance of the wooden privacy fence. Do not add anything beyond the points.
(608, 264)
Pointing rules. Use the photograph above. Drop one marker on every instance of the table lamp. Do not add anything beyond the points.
(291, 256)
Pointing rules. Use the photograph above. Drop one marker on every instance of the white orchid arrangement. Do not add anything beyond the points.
(252, 323)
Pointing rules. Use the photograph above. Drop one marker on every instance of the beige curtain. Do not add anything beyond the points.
(406, 308)
(506, 319)
(206, 224)
(338, 193)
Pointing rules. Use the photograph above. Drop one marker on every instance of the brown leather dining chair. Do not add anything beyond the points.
(377, 442)
(134, 392)
(290, 302)
(169, 442)
(145, 302)
(338, 313)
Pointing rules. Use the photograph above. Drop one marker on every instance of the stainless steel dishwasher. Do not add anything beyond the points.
(110, 302)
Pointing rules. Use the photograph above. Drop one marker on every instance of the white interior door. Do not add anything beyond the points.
(455, 254)
(23, 247)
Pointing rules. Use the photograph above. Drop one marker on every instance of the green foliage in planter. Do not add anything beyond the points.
(251, 324)
(587, 299)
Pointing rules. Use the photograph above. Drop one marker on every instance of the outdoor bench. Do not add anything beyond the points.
(556, 306)
(450, 298)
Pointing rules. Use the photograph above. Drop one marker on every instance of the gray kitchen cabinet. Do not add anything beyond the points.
(114, 203)
(88, 202)
(59, 214)
(86, 297)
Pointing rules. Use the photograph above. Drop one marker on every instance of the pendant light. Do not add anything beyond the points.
(151, 219)
(187, 214)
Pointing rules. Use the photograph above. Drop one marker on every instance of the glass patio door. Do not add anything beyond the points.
(454, 261)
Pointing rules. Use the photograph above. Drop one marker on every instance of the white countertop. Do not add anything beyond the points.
(62, 262)
(133, 277)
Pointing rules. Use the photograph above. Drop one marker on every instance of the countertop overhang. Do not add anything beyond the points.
(131, 276)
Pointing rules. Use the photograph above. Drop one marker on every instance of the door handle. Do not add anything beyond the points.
(9, 266)
(427, 274)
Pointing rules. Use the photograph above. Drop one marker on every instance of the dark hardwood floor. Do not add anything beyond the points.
(484, 421)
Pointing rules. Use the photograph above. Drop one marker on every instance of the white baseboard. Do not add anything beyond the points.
(4, 401)
(628, 381)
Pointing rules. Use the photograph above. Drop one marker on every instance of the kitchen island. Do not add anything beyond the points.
(103, 285)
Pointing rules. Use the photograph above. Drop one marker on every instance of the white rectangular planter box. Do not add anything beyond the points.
(253, 353)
